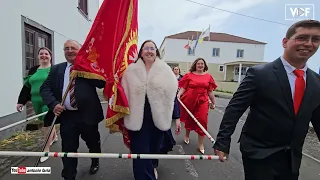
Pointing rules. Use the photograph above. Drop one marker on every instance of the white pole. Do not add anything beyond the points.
(209, 33)
(31, 119)
(195, 119)
(240, 72)
(22, 121)
(107, 155)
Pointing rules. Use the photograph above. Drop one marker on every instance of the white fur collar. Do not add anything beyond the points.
(154, 70)
(159, 84)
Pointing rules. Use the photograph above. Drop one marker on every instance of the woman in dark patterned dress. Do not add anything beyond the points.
(168, 141)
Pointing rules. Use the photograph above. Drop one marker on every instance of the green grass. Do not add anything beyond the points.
(22, 136)
(223, 91)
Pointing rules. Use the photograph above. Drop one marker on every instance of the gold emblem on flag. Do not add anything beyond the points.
(93, 56)
(131, 52)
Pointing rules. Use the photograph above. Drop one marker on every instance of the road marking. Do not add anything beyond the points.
(188, 164)
(222, 112)
(242, 122)
(313, 158)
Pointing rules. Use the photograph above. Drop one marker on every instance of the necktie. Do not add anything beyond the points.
(72, 97)
(299, 89)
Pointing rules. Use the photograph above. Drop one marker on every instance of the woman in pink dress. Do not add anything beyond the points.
(196, 88)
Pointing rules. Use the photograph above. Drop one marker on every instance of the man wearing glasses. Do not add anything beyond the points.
(283, 97)
(79, 115)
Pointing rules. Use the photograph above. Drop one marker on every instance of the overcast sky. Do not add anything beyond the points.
(160, 18)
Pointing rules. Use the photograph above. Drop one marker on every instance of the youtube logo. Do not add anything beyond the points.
(30, 170)
(22, 170)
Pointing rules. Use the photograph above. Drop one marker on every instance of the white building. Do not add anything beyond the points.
(225, 54)
(28, 25)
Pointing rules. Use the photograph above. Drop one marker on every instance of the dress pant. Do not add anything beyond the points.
(71, 128)
(145, 141)
(275, 167)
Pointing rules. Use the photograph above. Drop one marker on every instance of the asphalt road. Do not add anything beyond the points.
(121, 169)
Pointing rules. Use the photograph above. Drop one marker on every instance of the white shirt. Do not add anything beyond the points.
(65, 85)
(291, 76)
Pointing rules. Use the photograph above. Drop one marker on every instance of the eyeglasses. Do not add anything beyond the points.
(70, 49)
(315, 40)
(149, 48)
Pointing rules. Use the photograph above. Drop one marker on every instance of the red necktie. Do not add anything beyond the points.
(299, 89)
(72, 97)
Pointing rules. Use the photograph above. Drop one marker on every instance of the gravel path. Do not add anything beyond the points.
(312, 145)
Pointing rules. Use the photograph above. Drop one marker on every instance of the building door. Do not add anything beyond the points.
(34, 39)
(243, 72)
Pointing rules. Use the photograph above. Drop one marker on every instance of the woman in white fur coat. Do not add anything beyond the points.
(150, 87)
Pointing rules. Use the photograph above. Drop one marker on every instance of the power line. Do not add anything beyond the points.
(237, 13)
(147, 23)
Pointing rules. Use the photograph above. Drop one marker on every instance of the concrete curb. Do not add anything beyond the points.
(223, 96)
(17, 161)
(5, 169)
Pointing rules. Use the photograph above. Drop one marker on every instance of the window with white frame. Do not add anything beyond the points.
(240, 53)
(221, 68)
(216, 52)
(191, 51)
(83, 7)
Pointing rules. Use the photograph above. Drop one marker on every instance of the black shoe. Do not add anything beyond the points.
(94, 167)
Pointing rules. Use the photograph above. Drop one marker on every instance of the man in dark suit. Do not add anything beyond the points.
(283, 97)
(79, 115)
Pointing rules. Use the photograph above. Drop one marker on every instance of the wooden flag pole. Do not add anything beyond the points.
(209, 33)
(53, 123)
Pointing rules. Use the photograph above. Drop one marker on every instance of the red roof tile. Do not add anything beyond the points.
(221, 37)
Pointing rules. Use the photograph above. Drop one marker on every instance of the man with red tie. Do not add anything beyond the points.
(283, 97)
(79, 115)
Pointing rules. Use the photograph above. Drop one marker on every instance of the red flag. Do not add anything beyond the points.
(187, 45)
(110, 47)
